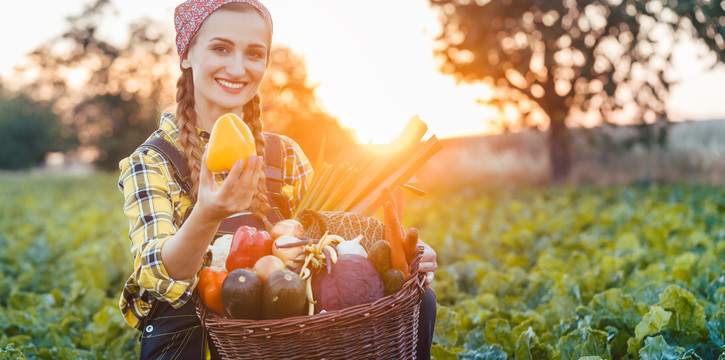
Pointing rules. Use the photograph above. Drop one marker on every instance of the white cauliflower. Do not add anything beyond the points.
(220, 252)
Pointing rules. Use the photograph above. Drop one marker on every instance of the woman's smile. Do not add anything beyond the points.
(231, 86)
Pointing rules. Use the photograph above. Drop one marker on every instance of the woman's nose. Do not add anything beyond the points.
(236, 67)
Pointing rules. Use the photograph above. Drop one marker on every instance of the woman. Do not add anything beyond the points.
(224, 48)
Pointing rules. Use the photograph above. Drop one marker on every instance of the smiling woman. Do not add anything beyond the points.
(174, 215)
(223, 49)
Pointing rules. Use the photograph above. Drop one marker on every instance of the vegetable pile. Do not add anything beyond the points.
(260, 275)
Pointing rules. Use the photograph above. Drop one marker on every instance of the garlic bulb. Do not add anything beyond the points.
(352, 247)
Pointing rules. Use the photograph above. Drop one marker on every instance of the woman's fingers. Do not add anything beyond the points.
(428, 263)
(251, 173)
(235, 193)
(428, 278)
(230, 182)
(427, 266)
(245, 185)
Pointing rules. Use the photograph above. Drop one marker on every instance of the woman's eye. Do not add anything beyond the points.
(220, 49)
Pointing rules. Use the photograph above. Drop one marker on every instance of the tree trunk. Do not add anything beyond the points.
(559, 149)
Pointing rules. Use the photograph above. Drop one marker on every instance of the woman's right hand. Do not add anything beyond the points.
(183, 253)
(217, 202)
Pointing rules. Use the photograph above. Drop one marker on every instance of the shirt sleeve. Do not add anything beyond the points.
(148, 206)
(298, 171)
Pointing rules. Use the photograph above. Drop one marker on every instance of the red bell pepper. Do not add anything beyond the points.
(210, 289)
(248, 246)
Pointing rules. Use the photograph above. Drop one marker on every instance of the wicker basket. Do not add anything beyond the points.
(384, 329)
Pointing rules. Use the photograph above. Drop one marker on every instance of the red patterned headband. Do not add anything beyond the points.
(189, 16)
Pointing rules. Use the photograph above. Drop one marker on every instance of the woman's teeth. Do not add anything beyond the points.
(230, 84)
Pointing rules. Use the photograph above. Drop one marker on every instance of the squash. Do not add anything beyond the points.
(353, 281)
(283, 295)
(379, 256)
(393, 279)
(266, 265)
(242, 295)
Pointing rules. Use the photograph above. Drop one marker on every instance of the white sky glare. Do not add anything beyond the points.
(372, 60)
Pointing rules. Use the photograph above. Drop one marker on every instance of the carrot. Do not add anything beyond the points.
(411, 244)
(398, 195)
(388, 229)
(397, 248)
(387, 196)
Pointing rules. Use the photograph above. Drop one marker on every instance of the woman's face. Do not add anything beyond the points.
(228, 58)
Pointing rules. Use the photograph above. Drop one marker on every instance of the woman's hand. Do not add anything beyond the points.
(428, 263)
(234, 195)
(184, 251)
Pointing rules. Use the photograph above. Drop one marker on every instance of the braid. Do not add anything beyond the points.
(252, 117)
(186, 121)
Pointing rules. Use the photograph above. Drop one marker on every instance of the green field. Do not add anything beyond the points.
(549, 273)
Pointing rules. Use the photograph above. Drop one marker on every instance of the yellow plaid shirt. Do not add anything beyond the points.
(156, 206)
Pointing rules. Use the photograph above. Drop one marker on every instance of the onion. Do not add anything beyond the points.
(287, 227)
(266, 265)
(288, 254)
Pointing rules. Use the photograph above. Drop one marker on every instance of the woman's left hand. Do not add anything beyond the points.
(428, 263)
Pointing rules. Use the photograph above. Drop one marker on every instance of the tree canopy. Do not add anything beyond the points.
(110, 94)
(564, 58)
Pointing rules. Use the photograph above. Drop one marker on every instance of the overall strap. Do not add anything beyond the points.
(273, 161)
(175, 156)
(274, 157)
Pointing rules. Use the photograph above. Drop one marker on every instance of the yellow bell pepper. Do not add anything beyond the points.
(230, 140)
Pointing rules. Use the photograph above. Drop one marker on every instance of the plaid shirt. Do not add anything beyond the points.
(156, 206)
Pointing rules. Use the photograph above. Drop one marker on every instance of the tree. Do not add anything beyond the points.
(115, 104)
(290, 107)
(28, 131)
(563, 58)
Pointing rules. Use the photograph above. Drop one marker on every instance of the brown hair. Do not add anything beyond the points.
(187, 123)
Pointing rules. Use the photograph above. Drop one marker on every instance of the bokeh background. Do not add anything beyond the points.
(98, 73)
(576, 203)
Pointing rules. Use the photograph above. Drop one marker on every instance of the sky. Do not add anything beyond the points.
(373, 61)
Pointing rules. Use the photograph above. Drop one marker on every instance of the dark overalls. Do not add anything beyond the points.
(177, 334)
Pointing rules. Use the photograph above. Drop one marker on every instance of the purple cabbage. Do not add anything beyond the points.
(353, 281)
